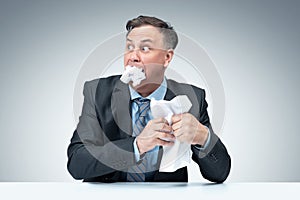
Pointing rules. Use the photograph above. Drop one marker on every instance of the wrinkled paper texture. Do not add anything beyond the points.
(178, 155)
(134, 74)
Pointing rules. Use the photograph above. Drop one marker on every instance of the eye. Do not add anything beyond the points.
(130, 47)
(145, 49)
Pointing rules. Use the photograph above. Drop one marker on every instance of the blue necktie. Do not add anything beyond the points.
(137, 172)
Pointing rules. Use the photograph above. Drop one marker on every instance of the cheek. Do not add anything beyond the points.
(153, 71)
(125, 60)
(155, 59)
(153, 65)
(159, 60)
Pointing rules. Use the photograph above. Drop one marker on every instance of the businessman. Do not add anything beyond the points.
(118, 140)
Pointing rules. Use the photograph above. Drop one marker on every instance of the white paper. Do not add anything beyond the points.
(134, 74)
(179, 154)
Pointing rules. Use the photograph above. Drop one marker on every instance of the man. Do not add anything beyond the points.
(113, 142)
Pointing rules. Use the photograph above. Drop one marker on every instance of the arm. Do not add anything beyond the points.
(208, 150)
(90, 153)
(214, 161)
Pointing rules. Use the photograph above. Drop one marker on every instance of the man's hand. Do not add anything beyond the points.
(156, 132)
(188, 129)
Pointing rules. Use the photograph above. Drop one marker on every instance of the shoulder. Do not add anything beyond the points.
(184, 87)
(103, 81)
(99, 85)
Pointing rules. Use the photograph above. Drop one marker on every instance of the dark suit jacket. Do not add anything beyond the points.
(101, 148)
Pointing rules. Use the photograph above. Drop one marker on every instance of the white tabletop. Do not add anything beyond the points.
(183, 191)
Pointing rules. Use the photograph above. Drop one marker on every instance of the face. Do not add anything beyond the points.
(145, 49)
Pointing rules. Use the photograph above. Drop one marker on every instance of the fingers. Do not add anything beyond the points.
(176, 126)
(165, 136)
(159, 135)
(147, 142)
(159, 132)
(164, 143)
(177, 134)
(176, 118)
(161, 125)
(156, 132)
(177, 122)
(160, 120)
(163, 128)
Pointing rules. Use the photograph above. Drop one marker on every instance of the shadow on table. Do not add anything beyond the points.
(156, 184)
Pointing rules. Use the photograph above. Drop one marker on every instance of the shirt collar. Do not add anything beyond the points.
(158, 94)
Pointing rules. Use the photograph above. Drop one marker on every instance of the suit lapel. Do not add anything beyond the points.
(169, 95)
(121, 107)
(172, 91)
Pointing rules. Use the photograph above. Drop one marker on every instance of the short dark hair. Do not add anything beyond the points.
(169, 34)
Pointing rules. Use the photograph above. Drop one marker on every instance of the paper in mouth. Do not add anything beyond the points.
(134, 74)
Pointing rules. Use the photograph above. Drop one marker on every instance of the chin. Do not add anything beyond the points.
(140, 86)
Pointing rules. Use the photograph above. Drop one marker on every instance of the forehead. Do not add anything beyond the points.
(145, 32)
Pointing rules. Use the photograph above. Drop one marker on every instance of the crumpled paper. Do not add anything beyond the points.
(178, 155)
(134, 74)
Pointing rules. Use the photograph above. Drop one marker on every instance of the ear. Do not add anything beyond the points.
(168, 57)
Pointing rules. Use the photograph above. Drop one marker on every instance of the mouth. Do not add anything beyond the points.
(133, 74)
(137, 66)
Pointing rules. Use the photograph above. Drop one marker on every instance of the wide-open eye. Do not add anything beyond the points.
(129, 47)
(145, 49)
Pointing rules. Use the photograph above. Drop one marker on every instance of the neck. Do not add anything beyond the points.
(146, 89)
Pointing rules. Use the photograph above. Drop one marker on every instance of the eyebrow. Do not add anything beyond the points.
(142, 41)
(147, 40)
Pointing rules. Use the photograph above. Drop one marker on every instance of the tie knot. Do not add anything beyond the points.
(140, 101)
(143, 104)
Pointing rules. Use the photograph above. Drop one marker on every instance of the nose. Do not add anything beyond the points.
(134, 56)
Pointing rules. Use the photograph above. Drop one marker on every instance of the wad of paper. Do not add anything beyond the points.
(179, 154)
(134, 74)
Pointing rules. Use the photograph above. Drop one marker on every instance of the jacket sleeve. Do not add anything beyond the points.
(90, 153)
(214, 161)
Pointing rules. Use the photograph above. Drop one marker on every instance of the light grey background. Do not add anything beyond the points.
(254, 44)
